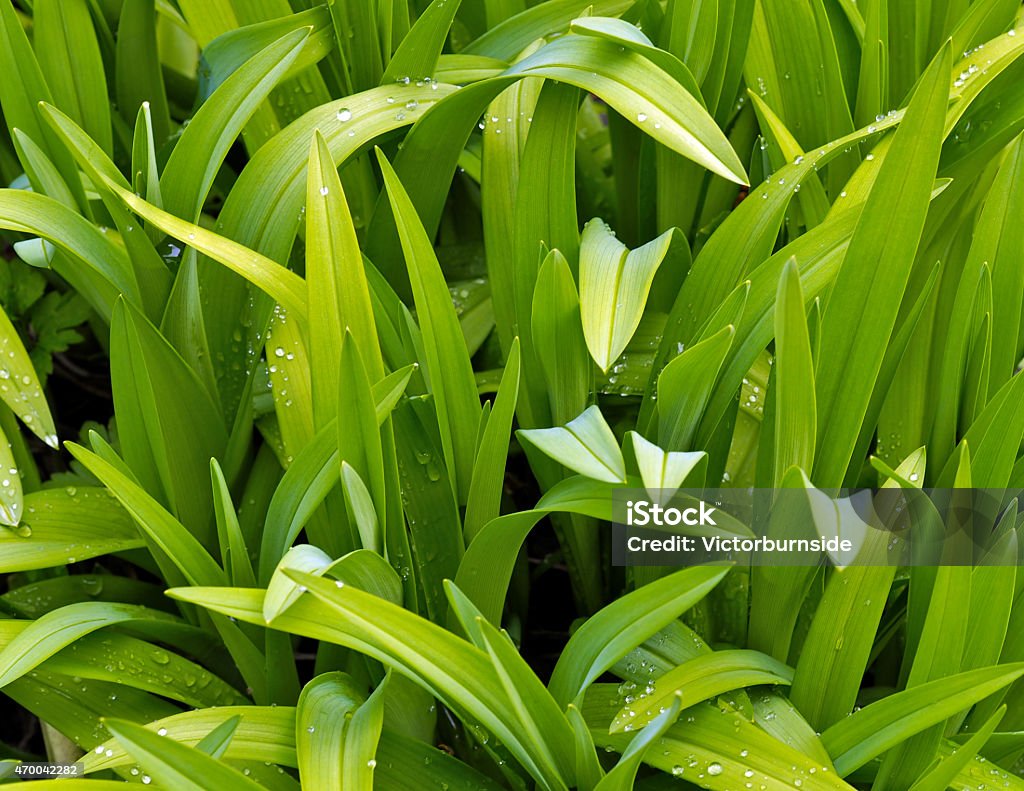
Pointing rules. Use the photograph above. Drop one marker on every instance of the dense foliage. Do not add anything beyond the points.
(328, 332)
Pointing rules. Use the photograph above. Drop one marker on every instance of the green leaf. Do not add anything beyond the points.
(263, 733)
(720, 744)
(943, 773)
(361, 739)
(622, 776)
(454, 671)
(204, 143)
(837, 648)
(359, 439)
(138, 75)
(69, 58)
(685, 385)
(169, 425)
(66, 525)
(282, 591)
(661, 470)
(55, 630)
(867, 733)
(447, 360)
(164, 531)
(339, 298)
(484, 500)
(322, 719)
(416, 57)
(175, 765)
(614, 631)
(284, 286)
(867, 294)
(21, 93)
(21, 390)
(614, 284)
(586, 445)
(566, 373)
(233, 551)
(795, 416)
(698, 679)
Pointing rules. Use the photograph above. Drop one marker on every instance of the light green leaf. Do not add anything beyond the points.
(614, 284)
(661, 470)
(586, 445)
(321, 722)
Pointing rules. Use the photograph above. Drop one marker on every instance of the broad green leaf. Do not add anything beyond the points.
(264, 733)
(149, 269)
(457, 673)
(64, 526)
(307, 481)
(614, 284)
(566, 373)
(389, 390)
(510, 37)
(339, 298)
(321, 722)
(776, 715)
(20, 388)
(175, 765)
(428, 552)
(585, 444)
(943, 773)
(21, 93)
(227, 53)
(361, 510)
(716, 748)
(161, 529)
(359, 438)
(282, 591)
(622, 32)
(169, 425)
(621, 626)
(99, 269)
(855, 740)
(661, 470)
(78, 715)
(701, 678)
(57, 629)
(538, 713)
(837, 648)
